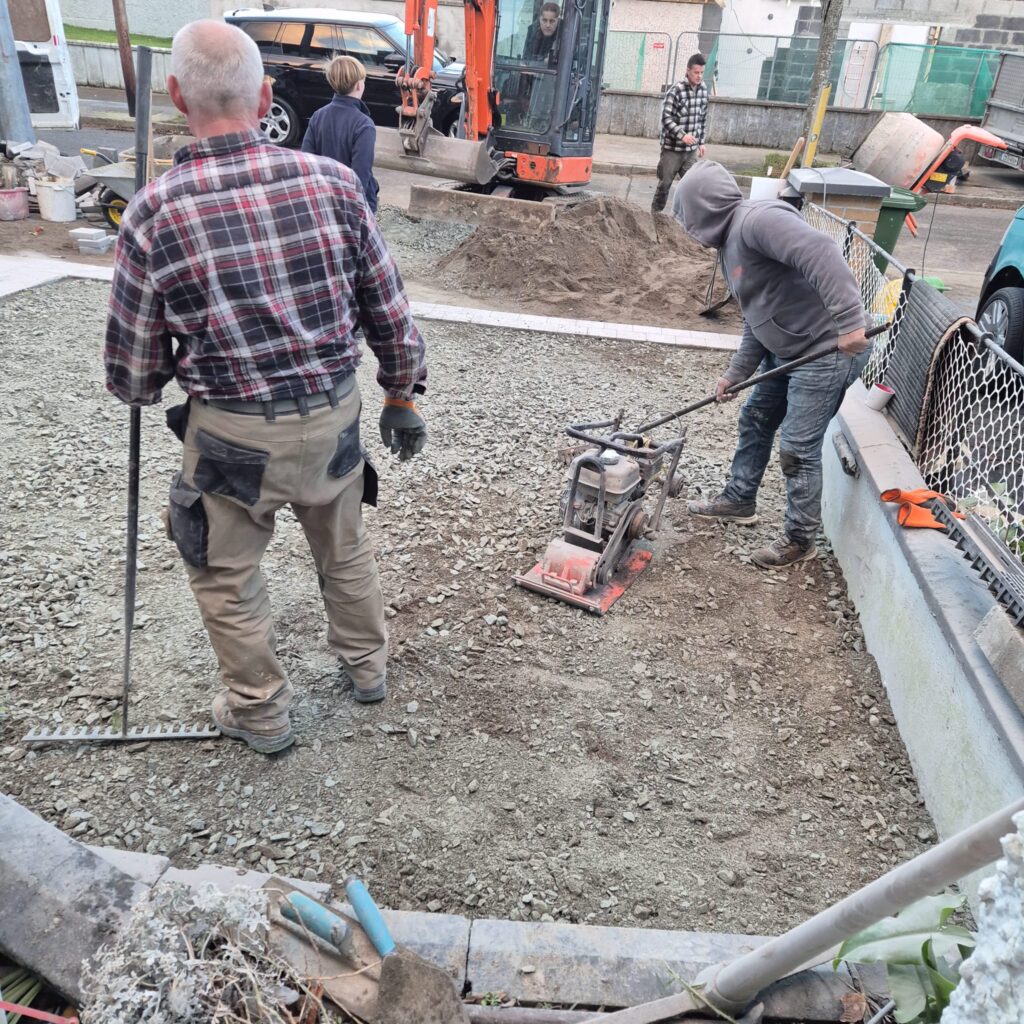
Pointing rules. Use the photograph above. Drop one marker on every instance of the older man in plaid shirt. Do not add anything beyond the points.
(244, 272)
(684, 116)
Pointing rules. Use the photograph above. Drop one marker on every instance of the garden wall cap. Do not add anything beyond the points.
(839, 180)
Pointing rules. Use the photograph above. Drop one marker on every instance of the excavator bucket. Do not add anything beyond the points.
(440, 156)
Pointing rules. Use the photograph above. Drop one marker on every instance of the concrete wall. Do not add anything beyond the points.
(733, 122)
(920, 605)
(99, 64)
(147, 17)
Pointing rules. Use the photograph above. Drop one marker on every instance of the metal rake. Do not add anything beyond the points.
(140, 733)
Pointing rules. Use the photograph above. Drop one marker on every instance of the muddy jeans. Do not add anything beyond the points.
(672, 165)
(238, 470)
(799, 407)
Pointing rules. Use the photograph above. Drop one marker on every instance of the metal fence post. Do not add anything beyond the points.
(851, 226)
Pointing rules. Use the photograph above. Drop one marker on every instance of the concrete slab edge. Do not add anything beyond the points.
(920, 605)
(547, 963)
(18, 274)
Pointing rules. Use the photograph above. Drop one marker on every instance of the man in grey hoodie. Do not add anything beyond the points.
(797, 295)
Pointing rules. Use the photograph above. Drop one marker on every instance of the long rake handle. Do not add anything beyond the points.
(779, 371)
(143, 95)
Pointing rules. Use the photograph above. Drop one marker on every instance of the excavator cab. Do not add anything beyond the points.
(548, 62)
(531, 86)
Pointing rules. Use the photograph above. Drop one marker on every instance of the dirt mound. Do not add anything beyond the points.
(603, 259)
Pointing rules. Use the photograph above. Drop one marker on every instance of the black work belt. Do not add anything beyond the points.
(301, 404)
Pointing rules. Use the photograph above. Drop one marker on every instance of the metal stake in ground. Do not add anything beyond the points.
(145, 732)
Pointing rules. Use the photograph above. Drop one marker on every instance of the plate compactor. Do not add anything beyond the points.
(606, 529)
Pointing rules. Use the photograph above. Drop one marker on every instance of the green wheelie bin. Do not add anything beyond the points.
(890, 220)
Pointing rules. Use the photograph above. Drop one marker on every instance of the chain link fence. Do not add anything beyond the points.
(959, 400)
(638, 61)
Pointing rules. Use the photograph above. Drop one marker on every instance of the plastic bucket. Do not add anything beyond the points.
(13, 203)
(56, 200)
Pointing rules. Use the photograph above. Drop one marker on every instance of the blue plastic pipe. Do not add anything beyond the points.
(368, 914)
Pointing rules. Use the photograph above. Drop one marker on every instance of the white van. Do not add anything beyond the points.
(45, 63)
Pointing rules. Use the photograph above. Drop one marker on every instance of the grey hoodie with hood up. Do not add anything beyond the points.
(790, 281)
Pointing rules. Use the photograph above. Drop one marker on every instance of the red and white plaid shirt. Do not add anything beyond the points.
(260, 262)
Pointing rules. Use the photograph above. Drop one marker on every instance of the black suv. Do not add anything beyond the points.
(296, 46)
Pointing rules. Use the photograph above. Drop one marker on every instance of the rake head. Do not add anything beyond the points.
(108, 734)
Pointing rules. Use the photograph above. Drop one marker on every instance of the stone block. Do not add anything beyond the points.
(61, 901)
(987, 21)
(590, 965)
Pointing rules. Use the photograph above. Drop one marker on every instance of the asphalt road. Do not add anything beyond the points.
(954, 243)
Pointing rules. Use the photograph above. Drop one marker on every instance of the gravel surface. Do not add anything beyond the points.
(718, 753)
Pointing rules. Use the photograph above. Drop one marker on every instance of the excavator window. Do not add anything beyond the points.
(530, 35)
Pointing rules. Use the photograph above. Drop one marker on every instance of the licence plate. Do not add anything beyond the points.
(1002, 155)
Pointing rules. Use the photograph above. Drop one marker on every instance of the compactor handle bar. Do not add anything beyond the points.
(779, 371)
(639, 451)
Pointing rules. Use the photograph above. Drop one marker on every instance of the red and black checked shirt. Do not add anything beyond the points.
(684, 112)
(260, 262)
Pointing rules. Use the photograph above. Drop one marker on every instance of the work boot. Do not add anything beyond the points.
(782, 552)
(724, 510)
(366, 695)
(263, 742)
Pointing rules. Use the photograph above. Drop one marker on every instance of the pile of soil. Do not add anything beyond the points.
(602, 259)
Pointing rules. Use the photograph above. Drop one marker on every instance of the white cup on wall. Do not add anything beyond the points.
(878, 396)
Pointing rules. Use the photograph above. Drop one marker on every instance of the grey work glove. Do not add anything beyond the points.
(402, 428)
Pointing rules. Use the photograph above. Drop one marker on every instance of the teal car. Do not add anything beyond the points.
(1001, 304)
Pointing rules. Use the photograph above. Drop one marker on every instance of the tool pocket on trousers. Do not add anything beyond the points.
(347, 454)
(369, 480)
(229, 469)
(188, 524)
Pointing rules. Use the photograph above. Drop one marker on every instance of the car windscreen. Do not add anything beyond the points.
(394, 31)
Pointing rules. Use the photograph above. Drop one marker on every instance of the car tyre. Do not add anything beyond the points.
(1002, 316)
(451, 126)
(281, 123)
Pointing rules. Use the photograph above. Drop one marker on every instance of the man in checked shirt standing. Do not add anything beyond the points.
(243, 272)
(684, 116)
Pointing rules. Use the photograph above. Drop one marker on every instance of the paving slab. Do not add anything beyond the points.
(61, 901)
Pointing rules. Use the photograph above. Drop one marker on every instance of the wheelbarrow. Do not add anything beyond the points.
(112, 178)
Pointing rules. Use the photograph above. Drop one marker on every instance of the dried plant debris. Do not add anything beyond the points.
(197, 956)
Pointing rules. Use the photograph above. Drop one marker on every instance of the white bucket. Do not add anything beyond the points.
(56, 200)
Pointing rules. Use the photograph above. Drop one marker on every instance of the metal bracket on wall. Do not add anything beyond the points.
(847, 458)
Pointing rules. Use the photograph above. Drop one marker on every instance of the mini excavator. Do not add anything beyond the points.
(531, 89)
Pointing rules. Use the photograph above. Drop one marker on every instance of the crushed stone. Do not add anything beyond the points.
(716, 754)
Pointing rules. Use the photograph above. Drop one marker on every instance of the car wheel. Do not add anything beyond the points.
(281, 123)
(1002, 316)
(451, 127)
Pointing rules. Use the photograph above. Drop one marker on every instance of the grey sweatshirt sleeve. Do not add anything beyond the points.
(790, 240)
(747, 358)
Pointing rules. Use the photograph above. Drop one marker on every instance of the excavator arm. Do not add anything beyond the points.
(416, 145)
